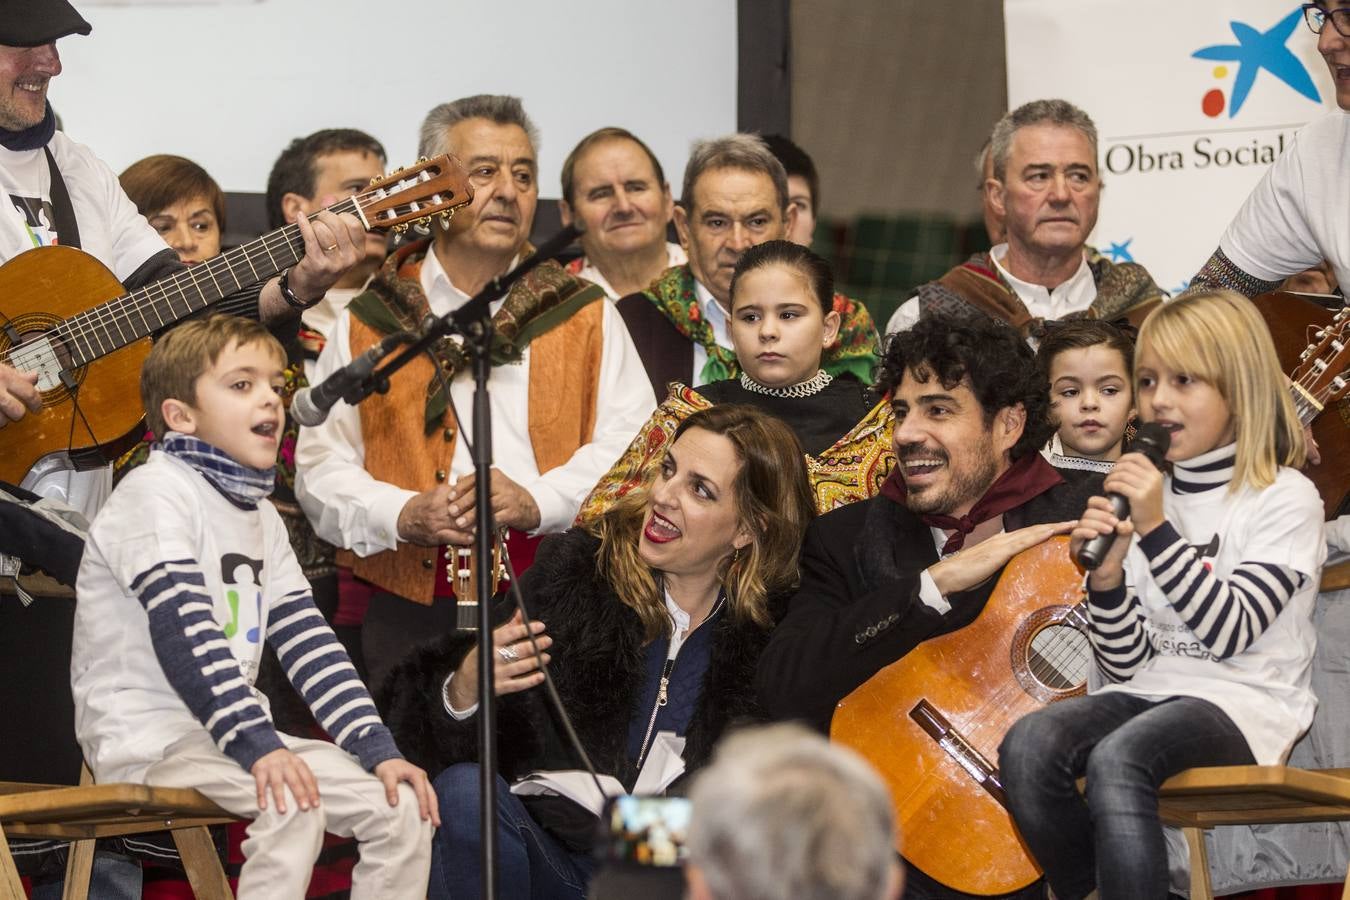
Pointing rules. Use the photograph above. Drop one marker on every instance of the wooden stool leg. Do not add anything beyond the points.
(11, 888)
(1201, 889)
(203, 867)
(79, 867)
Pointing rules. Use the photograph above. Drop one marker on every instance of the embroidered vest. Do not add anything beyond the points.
(563, 385)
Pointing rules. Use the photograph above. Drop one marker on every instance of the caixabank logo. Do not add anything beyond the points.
(1255, 52)
(1261, 57)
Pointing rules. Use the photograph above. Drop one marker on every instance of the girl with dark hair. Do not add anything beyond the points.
(1089, 366)
(782, 319)
(651, 621)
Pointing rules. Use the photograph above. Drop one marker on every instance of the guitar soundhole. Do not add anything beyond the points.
(1050, 656)
(1059, 656)
(40, 349)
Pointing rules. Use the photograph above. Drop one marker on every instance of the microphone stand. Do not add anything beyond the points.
(473, 321)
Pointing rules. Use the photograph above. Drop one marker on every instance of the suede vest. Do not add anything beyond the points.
(563, 385)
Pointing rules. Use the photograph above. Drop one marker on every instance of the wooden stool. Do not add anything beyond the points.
(81, 814)
(1201, 798)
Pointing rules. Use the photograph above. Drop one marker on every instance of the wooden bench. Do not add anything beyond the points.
(82, 814)
(1202, 798)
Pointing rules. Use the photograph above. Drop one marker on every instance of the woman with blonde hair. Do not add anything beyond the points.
(1200, 613)
(653, 620)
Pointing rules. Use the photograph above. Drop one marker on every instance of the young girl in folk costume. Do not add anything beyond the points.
(782, 319)
(1089, 365)
(1200, 612)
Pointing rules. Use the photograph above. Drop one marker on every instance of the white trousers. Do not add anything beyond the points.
(280, 850)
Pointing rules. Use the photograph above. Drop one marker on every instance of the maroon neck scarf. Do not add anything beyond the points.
(1026, 478)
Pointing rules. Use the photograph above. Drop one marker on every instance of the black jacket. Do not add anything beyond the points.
(597, 664)
(858, 608)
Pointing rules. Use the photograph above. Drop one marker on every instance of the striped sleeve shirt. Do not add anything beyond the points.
(1225, 614)
(195, 655)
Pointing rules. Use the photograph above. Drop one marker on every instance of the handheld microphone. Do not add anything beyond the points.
(310, 405)
(1152, 440)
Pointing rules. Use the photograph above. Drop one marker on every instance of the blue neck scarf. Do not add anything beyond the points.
(30, 138)
(244, 486)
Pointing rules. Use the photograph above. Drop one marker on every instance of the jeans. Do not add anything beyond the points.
(1110, 837)
(113, 877)
(530, 862)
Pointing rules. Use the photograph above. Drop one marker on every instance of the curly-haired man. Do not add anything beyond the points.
(971, 491)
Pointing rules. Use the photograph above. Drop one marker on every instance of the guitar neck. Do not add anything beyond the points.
(111, 326)
(1305, 404)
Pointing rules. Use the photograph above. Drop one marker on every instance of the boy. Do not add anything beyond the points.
(186, 572)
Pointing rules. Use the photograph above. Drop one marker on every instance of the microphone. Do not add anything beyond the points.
(310, 405)
(1152, 440)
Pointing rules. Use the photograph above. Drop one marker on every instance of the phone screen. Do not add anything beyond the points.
(646, 831)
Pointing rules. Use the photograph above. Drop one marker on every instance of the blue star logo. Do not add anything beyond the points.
(1257, 50)
(1120, 253)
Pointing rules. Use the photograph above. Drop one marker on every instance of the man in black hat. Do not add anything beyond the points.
(92, 212)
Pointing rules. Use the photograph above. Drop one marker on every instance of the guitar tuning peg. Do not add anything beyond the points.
(421, 159)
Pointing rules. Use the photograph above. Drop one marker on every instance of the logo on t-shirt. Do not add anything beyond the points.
(39, 216)
(242, 577)
(1207, 552)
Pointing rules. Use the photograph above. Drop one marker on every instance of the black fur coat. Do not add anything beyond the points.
(597, 664)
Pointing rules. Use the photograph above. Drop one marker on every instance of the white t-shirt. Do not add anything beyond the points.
(111, 230)
(1264, 689)
(126, 711)
(1298, 216)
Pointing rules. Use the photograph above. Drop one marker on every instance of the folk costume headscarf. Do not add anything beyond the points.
(977, 283)
(546, 297)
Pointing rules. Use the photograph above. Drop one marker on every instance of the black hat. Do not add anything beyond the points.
(32, 23)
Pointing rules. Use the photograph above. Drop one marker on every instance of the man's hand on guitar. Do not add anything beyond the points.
(18, 394)
(968, 567)
(1099, 519)
(333, 244)
(512, 505)
(426, 520)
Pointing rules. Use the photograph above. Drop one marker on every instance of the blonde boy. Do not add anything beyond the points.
(187, 573)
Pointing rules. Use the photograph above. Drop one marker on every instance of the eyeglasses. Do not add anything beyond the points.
(1317, 17)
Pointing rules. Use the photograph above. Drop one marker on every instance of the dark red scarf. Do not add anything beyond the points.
(1026, 478)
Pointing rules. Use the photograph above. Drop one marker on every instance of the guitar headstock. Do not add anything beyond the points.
(1321, 367)
(413, 195)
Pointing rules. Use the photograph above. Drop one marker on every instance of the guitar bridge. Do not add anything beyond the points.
(936, 726)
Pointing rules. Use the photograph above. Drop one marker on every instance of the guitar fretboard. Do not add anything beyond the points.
(111, 326)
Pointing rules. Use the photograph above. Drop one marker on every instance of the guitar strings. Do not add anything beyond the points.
(86, 327)
(90, 324)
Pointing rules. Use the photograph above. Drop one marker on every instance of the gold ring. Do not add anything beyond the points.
(330, 249)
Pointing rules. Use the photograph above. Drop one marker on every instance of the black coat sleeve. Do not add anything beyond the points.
(834, 636)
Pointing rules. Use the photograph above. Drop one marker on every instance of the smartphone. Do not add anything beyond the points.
(645, 831)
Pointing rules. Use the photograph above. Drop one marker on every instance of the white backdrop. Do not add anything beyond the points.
(228, 83)
(1177, 161)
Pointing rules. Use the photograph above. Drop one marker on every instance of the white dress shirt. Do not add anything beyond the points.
(1072, 296)
(349, 508)
(675, 256)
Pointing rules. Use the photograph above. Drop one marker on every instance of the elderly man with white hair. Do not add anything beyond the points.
(782, 814)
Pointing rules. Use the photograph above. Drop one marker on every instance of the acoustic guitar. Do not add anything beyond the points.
(931, 722)
(66, 317)
(1311, 342)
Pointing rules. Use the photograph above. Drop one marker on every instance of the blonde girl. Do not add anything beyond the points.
(1200, 613)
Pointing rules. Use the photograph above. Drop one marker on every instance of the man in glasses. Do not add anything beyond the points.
(1297, 215)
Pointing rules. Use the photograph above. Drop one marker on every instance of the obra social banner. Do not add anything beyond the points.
(1192, 100)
